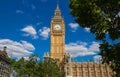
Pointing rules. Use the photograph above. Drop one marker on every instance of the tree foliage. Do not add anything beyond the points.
(103, 19)
(33, 68)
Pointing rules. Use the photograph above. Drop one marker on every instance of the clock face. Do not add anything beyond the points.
(57, 27)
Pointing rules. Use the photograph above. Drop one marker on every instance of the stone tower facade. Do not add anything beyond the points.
(57, 38)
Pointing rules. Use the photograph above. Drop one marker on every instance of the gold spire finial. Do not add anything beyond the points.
(57, 4)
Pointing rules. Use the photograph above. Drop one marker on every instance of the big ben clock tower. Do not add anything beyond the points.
(57, 34)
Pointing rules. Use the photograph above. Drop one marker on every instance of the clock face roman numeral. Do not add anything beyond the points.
(57, 27)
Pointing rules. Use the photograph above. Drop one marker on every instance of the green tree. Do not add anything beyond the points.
(103, 19)
(33, 68)
(12, 67)
(50, 68)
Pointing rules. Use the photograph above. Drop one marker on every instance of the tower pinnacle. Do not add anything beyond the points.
(57, 4)
(57, 13)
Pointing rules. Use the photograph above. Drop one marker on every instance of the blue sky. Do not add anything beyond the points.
(25, 30)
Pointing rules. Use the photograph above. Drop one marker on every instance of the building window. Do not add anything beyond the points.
(105, 74)
(92, 69)
(68, 69)
(80, 74)
(74, 74)
(74, 69)
(111, 74)
(68, 72)
(86, 74)
(86, 69)
(80, 69)
(92, 74)
(104, 68)
(98, 68)
(99, 74)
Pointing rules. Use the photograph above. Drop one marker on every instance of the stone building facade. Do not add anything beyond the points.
(4, 64)
(87, 69)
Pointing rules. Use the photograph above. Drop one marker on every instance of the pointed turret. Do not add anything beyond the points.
(57, 5)
(4, 49)
(57, 13)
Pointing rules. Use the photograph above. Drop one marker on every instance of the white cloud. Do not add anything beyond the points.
(97, 58)
(87, 29)
(27, 45)
(94, 47)
(73, 26)
(82, 48)
(19, 11)
(17, 49)
(44, 33)
(30, 31)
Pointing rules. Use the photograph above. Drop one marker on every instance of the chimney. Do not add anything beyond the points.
(4, 49)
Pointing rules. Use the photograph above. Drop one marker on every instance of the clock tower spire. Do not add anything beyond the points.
(57, 36)
(57, 13)
(57, 4)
